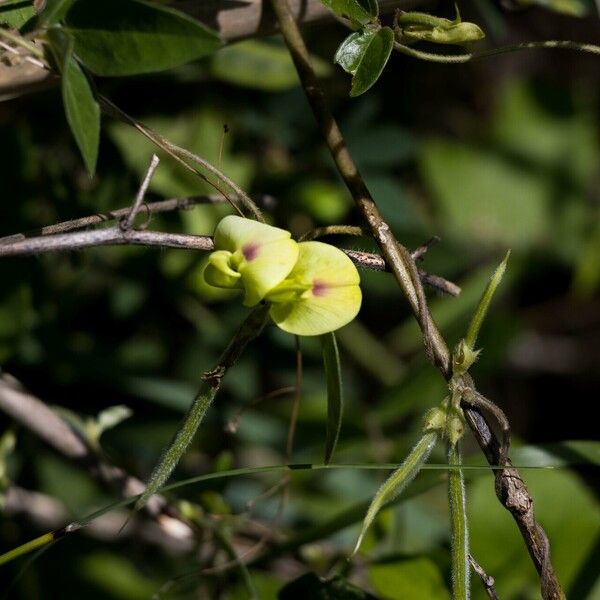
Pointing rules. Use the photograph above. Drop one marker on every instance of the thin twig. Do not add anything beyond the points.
(397, 257)
(487, 580)
(150, 208)
(127, 223)
(19, 245)
(111, 236)
(181, 155)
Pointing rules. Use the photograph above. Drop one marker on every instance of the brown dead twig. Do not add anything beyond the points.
(510, 488)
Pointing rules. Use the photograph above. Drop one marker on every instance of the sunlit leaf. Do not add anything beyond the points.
(125, 37)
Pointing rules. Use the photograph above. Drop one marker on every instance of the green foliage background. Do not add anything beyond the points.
(498, 154)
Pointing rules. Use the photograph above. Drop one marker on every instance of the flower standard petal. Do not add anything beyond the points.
(320, 294)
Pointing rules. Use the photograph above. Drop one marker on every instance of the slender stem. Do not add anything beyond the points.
(19, 40)
(487, 580)
(403, 267)
(179, 154)
(128, 221)
(469, 56)
(211, 383)
(459, 526)
(397, 256)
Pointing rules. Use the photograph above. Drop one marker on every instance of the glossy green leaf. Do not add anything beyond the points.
(15, 13)
(397, 481)
(335, 399)
(352, 49)
(125, 37)
(81, 108)
(364, 55)
(359, 11)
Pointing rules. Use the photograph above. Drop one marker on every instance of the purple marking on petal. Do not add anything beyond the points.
(250, 251)
(320, 288)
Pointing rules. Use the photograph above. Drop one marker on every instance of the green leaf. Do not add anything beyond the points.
(410, 578)
(15, 13)
(335, 399)
(359, 11)
(397, 481)
(81, 108)
(364, 55)
(125, 37)
(313, 587)
(54, 11)
(260, 65)
(484, 303)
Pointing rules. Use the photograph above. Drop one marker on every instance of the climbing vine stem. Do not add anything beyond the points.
(402, 265)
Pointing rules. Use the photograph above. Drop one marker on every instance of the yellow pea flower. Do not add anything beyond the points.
(251, 256)
(320, 294)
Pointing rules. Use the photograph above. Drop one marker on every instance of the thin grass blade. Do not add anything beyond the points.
(335, 399)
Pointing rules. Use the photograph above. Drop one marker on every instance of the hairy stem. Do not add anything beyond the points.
(459, 529)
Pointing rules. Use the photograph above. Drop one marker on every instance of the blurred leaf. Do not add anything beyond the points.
(313, 587)
(260, 65)
(16, 13)
(335, 400)
(587, 269)
(8, 441)
(54, 11)
(408, 578)
(572, 8)
(117, 576)
(176, 395)
(484, 199)
(561, 454)
(370, 353)
(566, 508)
(359, 11)
(364, 54)
(326, 201)
(125, 37)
